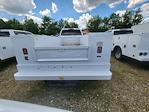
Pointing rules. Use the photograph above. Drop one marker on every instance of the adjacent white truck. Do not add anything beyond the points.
(16, 106)
(6, 47)
(71, 56)
(133, 43)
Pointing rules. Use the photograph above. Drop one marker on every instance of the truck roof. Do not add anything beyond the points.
(13, 30)
(119, 29)
(70, 28)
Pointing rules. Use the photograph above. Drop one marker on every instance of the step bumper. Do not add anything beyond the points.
(64, 75)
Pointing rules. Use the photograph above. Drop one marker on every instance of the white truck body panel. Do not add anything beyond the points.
(134, 44)
(54, 58)
(6, 47)
(15, 106)
(141, 28)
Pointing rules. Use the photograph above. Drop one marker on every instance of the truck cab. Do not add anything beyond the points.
(6, 47)
(71, 36)
(70, 31)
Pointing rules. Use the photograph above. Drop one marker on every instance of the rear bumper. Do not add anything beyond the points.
(64, 75)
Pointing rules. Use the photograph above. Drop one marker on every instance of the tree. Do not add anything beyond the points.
(106, 21)
(115, 20)
(137, 17)
(29, 25)
(71, 25)
(2, 24)
(61, 23)
(49, 26)
(14, 24)
(96, 24)
(127, 19)
(65, 24)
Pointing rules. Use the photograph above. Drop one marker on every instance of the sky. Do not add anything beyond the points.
(79, 11)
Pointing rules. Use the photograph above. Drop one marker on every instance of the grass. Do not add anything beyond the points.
(126, 92)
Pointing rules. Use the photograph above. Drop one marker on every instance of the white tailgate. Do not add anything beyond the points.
(62, 53)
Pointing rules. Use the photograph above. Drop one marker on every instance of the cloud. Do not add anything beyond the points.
(120, 12)
(145, 7)
(82, 21)
(45, 12)
(17, 7)
(133, 3)
(69, 19)
(145, 11)
(54, 8)
(4, 19)
(83, 6)
(112, 5)
(35, 19)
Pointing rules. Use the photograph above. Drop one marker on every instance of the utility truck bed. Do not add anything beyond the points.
(6, 46)
(133, 43)
(59, 58)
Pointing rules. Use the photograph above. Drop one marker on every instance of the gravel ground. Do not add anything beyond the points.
(128, 91)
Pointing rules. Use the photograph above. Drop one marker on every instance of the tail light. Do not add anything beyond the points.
(99, 49)
(26, 58)
(25, 52)
(145, 53)
(140, 54)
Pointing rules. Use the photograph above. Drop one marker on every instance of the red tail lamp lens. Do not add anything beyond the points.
(25, 51)
(99, 49)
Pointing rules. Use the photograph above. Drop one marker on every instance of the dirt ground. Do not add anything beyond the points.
(128, 91)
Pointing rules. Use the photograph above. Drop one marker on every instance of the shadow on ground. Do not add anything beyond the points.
(134, 63)
(5, 63)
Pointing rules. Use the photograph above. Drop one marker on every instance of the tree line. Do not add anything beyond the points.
(96, 24)
(115, 21)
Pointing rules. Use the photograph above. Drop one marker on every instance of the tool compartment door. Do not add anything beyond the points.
(6, 49)
(62, 53)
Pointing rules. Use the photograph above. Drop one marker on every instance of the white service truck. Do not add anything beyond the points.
(133, 43)
(6, 47)
(71, 56)
(16, 106)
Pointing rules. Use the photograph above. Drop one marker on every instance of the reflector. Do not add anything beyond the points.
(25, 52)
(99, 49)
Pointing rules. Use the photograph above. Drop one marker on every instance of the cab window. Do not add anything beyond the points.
(19, 32)
(4, 34)
(71, 32)
(121, 32)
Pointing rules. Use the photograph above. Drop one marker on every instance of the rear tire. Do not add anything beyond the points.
(118, 53)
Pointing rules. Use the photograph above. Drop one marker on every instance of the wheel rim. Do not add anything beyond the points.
(118, 54)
